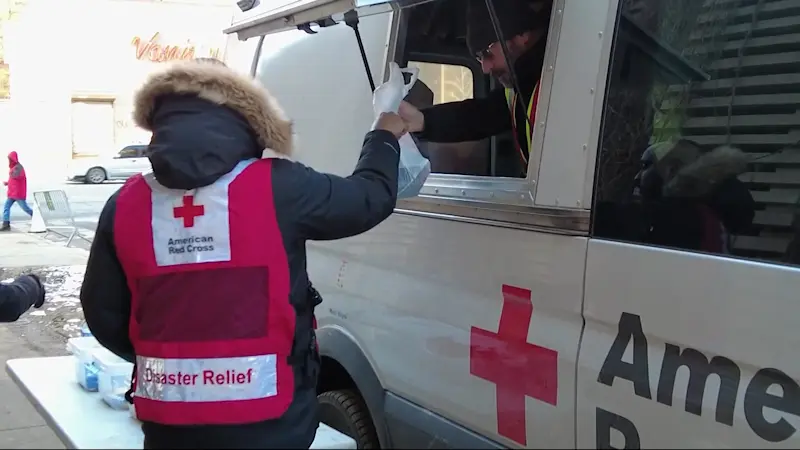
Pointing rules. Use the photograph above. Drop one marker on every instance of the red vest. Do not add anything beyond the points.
(211, 321)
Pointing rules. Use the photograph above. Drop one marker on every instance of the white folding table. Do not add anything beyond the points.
(82, 419)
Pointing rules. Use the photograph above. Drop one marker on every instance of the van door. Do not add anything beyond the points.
(692, 272)
(478, 335)
(467, 301)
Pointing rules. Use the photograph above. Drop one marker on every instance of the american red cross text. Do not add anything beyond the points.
(188, 211)
(517, 368)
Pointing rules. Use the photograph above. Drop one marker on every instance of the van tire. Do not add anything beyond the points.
(346, 412)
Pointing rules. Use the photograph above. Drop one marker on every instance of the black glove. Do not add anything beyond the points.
(40, 299)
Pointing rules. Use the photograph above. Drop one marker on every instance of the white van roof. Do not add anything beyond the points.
(269, 16)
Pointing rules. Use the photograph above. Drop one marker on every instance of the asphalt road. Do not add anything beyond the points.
(86, 201)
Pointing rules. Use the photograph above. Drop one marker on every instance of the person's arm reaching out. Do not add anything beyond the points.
(467, 120)
(333, 207)
(105, 297)
(18, 296)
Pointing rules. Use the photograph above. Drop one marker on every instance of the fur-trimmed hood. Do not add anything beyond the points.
(223, 86)
(702, 175)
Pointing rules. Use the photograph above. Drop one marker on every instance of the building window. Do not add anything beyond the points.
(93, 127)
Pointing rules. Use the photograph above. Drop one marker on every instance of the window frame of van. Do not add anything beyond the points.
(557, 198)
(478, 89)
(512, 202)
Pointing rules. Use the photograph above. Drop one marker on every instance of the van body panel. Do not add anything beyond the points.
(417, 292)
(414, 426)
(723, 318)
(320, 82)
(337, 344)
(578, 67)
(654, 348)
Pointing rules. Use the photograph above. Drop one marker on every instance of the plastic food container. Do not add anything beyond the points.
(113, 378)
(85, 371)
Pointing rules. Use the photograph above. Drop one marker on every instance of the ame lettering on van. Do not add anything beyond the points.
(756, 396)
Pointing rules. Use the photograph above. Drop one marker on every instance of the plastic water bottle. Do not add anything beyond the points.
(85, 331)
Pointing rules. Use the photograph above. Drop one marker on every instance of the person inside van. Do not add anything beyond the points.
(524, 25)
(197, 272)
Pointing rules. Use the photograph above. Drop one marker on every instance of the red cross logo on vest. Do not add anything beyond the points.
(188, 211)
(517, 368)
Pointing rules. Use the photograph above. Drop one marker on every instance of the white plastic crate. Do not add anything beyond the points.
(83, 349)
(114, 378)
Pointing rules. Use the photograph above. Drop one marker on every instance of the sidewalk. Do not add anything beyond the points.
(22, 249)
(21, 426)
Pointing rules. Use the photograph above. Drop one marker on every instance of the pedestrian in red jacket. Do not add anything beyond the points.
(17, 190)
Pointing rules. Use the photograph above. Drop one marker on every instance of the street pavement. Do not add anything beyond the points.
(86, 201)
(40, 332)
(43, 332)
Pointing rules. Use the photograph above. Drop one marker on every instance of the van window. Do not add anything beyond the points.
(454, 44)
(444, 83)
(700, 142)
(447, 82)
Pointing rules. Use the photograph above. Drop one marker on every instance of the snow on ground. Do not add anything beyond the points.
(61, 317)
(62, 306)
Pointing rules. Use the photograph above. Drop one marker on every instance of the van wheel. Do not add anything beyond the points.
(346, 412)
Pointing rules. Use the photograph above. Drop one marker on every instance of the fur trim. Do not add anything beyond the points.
(703, 174)
(223, 86)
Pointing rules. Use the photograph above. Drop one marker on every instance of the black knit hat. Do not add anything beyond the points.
(515, 17)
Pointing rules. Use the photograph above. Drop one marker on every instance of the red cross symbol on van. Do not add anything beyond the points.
(517, 368)
(188, 211)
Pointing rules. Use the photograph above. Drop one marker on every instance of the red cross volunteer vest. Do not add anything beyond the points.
(211, 321)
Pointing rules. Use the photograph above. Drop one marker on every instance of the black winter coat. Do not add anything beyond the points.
(205, 120)
(18, 296)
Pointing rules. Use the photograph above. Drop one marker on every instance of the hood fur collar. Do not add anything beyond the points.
(223, 86)
(703, 174)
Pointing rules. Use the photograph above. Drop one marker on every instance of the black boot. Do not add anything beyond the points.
(6, 226)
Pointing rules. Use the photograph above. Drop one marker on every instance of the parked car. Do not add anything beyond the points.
(129, 161)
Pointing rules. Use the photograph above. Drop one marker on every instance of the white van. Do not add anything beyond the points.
(638, 289)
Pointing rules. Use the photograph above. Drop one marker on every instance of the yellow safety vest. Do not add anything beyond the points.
(511, 99)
